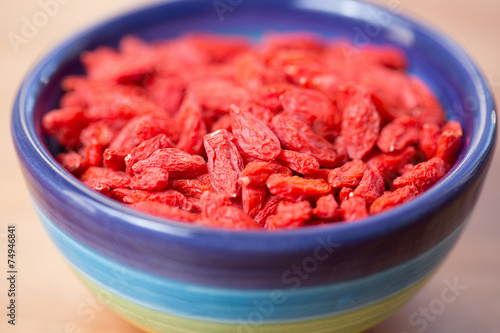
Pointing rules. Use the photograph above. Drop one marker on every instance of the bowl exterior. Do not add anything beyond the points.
(170, 277)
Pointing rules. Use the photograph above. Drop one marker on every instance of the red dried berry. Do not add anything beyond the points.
(115, 158)
(211, 201)
(256, 173)
(315, 109)
(269, 96)
(145, 149)
(153, 179)
(231, 217)
(327, 209)
(389, 164)
(253, 199)
(289, 215)
(108, 177)
(398, 134)
(353, 209)
(192, 187)
(424, 175)
(179, 164)
(449, 142)
(98, 186)
(165, 211)
(392, 199)
(139, 129)
(218, 95)
(294, 188)
(429, 135)
(224, 162)
(269, 208)
(350, 174)
(253, 136)
(299, 162)
(65, 125)
(429, 110)
(371, 187)
(192, 127)
(72, 161)
(345, 193)
(295, 135)
(360, 122)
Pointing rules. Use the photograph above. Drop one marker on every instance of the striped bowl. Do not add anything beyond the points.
(169, 277)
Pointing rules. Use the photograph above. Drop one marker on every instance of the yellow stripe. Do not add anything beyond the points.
(349, 322)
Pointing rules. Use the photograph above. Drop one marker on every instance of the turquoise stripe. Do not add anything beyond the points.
(233, 305)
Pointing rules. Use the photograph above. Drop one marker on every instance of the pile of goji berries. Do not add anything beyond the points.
(216, 131)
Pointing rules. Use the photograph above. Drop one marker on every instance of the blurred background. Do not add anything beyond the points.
(52, 300)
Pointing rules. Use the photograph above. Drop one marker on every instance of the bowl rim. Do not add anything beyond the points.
(478, 153)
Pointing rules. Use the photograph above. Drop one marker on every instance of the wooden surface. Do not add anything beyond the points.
(52, 300)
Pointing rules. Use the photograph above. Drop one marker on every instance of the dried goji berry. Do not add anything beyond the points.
(218, 95)
(256, 173)
(360, 122)
(295, 135)
(153, 179)
(269, 96)
(224, 162)
(392, 199)
(315, 109)
(398, 134)
(449, 142)
(429, 110)
(92, 155)
(253, 198)
(115, 158)
(65, 125)
(269, 208)
(145, 149)
(191, 187)
(232, 218)
(108, 177)
(290, 215)
(253, 136)
(345, 193)
(101, 132)
(429, 135)
(353, 209)
(167, 92)
(72, 161)
(349, 174)
(218, 48)
(192, 127)
(299, 162)
(98, 186)
(223, 123)
(327, 209)
(178, 163)
(424, 175)
(406, 168)
(371, 187)
(139, 129)
(389, 164)
(167, 197)
(294, 188)
(165, 211)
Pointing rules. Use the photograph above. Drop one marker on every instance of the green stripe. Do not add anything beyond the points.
(348, 322)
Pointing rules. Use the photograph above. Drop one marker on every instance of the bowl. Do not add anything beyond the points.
(165, 276)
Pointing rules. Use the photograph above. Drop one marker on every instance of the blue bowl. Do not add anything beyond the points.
(169, 277)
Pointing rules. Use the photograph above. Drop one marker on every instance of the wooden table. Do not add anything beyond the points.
(52, 300)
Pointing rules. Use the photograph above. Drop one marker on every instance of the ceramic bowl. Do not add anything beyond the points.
(165, 276)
